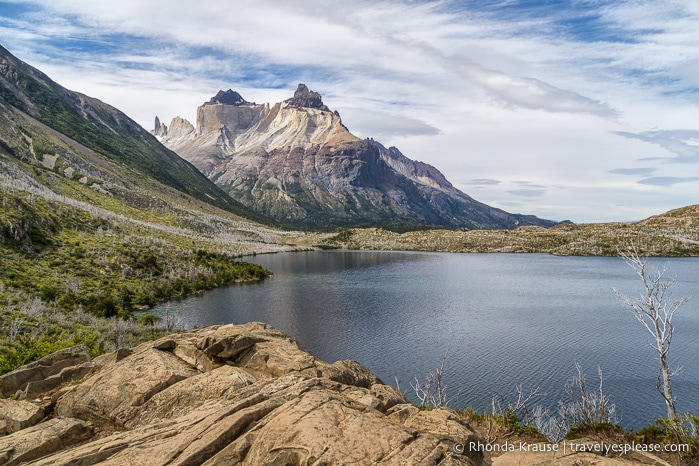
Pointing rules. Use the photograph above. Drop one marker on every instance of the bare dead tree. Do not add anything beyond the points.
(171, 322)
(654, 308)
(515, 413)
(16, 327)
(520, 406)
(433, 392)
(585, 407)
(553, 427)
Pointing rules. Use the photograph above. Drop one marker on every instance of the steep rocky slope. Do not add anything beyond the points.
(86, 139)
(98, 217)
(296, 162)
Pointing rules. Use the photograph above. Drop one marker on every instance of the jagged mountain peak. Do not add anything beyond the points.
(88, 141)
(296, 162)
(304, 97)
(160, 129)
(229, 97)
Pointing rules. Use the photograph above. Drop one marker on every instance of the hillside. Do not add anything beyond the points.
(100, 128)
(296, 162)
(673, 233)
(99, 220)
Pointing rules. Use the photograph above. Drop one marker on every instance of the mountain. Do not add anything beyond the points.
(98, 132)
(296, 162)
(98, 216)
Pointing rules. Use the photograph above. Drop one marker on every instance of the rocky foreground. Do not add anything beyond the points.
(226, 395)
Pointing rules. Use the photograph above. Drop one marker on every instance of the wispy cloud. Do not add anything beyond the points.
(379, 125)
(527, 192)
(487, 91)
(483, 182)
(683, 143)
(633, 171)
(668, 180)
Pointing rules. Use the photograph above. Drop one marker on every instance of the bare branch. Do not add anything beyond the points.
(433, 393)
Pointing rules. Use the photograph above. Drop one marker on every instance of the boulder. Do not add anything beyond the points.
(19, 415)
(42, 369)
(323, 427)
(112, 397)
(41, 440)
(69, 374)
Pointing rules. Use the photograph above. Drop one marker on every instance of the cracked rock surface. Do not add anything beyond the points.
(236, 394)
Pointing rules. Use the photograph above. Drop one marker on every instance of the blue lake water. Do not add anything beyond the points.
(502, 319)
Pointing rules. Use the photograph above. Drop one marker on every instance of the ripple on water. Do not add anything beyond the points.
(503, 319)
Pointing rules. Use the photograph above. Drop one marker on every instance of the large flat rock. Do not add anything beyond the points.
(41, 440)
(42, 369)
(19, 415)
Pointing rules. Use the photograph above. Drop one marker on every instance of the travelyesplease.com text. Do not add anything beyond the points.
(570, 447)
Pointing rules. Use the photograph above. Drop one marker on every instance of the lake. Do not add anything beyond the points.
(501, 320)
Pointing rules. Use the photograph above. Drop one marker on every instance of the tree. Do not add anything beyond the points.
(433, 393)
(654, 309)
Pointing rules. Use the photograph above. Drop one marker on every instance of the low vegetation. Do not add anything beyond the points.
(68, 277)
(74, 272)
(586, 415)
(69, 258)
(672, 234)
(32, 330)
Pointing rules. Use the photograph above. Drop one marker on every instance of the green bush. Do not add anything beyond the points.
(683, 429)
(582, 430)
(150, 319)
(26, 349)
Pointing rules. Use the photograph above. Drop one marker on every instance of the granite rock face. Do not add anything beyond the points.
(296, 162)
(48, 372)
(42, 440)
(19, 415)
(235, 395)
(304, 97)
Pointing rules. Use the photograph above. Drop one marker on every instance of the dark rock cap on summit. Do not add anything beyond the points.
(304, 97)
(229, 97)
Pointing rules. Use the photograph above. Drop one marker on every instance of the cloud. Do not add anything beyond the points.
(538, 95)
(528, 184)
(683, 143)
(375, 124)
(667, 180)
(527, 192)
(483, 182)
(633, 171)
(265, 34)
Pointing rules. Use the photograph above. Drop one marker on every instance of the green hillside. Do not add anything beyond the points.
(99, 222)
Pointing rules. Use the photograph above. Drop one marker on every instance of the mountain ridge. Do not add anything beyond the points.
(84, 223)
(103, 129)
(295, 161)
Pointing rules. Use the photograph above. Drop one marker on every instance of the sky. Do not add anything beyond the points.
(586, 110)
